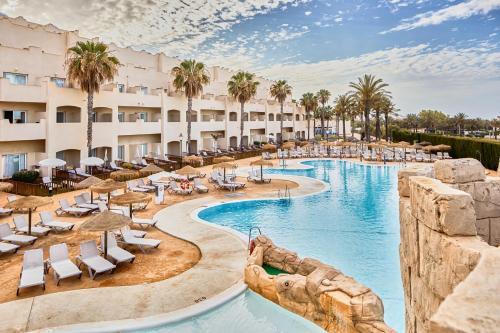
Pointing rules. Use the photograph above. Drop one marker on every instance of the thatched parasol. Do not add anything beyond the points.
(105, 221)
(130, 198)
(223, 159)
(192, 159)
(269, 147)
(126, 174)
(151, 168)
(30, 202)
(225, 165)
(262, 163)
(88, 182)
(108, 186)
(442, 148)
(288, 145)
(425, 143)
(187, 171)
(6, 187)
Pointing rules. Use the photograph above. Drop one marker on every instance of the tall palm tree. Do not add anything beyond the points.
(90, 64)
(190, 77)
(328, 114)
(459, 120)
(344, 107)
(242, 87)
(368, 90)
(308, 101)
(280, 91)
(323, 96)
(388, 108)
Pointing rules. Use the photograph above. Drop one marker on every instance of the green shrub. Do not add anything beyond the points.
(127, 165)
(26, 176)
(485, 150)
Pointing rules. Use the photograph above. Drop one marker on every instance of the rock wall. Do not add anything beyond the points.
(314, 290)
(442, 210)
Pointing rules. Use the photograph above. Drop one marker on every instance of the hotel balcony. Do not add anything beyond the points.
(139, 127)
(22, 131)
(22, 93)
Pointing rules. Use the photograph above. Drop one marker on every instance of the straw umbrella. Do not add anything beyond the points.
(108, 186)
(225, 165)
(30, 203)
(269, 147)
(187, 171)
(151, 168)
(88, 182)
(288, 145)
(262, 163)
(130, 198)
(105, 221)
(192, 159)
(404, 145)
(442, 148)
(223, 159)
(429, 149)
(6, 187)
(425, 143)
(125, 174)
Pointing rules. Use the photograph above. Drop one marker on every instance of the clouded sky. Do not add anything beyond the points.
(442, 54)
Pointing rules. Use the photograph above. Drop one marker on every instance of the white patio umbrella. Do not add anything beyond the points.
(51, 163)
(138, 154)
(92, 161)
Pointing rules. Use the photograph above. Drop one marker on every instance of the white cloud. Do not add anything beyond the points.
(307, 13)
(459, 11)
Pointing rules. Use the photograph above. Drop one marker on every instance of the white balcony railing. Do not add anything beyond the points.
(23, 131)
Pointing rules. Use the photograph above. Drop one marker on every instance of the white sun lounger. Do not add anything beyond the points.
(132, 186)
(81, 202)
(67, 209)
(33, 271)
(140, 183)
(21, 225)
(144, 223)
(199, 187)
(121, 210)
(8, 248)
(8, 236)
(142, 243)
(135, 233)
(46, 221)
(116, 253)
(5, 211)
(89, 256)
(60, 263)
(177, 190)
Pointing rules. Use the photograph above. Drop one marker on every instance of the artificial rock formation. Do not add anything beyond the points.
(314, 290)
(451, 277)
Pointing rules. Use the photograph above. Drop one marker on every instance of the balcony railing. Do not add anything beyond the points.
(22, 131)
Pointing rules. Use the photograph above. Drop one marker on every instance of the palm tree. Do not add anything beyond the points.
(367, 90)
(388, 108)
(344, 107)
(90, 64)
(459, 120)
(328, 114)
(413, 121)
(190, 77)
(280, 91)
(308, 101)
(243, 88)
(496, 125)
(323, 96)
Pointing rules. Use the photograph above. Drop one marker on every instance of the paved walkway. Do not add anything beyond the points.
(223, 256)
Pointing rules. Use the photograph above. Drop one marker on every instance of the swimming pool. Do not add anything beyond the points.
(354, 226)
(248, 312)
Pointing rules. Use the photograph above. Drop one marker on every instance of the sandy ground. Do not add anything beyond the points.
(173, 257)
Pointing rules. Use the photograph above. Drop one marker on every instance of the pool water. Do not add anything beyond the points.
(248, 312)
(354, 226)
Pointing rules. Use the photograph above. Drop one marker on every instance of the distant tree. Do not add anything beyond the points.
(309, 102)
(243, 87)
(345, 108)
(190, 77)
(90, 64)
(388, 108)
(432, 120)
(495, 123)
(459, 121)
(323, 96)
(280, 90)
(412, 121)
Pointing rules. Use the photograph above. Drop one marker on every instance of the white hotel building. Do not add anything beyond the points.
(42, 116)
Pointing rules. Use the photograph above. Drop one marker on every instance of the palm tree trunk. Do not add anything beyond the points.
(378, 133)
(242, 124)
(308, 124)
(314, 125)
(323, 121)
(337, 125)
(343, 127)
(367, 124)
(90, 111)
(327, 126)
(386, 127)
(281, 124)
(190, 106)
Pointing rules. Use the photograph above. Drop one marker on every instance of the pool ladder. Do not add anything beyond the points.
(285, 195)
(250, 235)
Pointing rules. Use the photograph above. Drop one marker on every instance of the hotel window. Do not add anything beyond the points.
(13, 163)
(60, 155)
(15, 78)
(143, 149)
(121, 117)
(15, 117)
(121, 87)
(58, 81)
(121, 152)
(144, 90)
(94, 117)
(60, 117)
(143, 116)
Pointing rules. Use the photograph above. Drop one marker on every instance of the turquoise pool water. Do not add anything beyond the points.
(354, 226)
(247, 313)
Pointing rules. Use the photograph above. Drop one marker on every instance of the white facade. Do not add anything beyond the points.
(42, 116)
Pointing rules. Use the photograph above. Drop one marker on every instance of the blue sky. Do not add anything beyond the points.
(441, 54)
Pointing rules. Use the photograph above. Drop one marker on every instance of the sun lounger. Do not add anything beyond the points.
(220, 185)
(47, 221)
(8, 236)
(142, 244)
(8, 248)
(144, 223)
(135, 233)
(67, 209)
(5, 211)
(89, 256)
(114, 166)
(132, 186)
(60, 263)
(11, 198)
(174, 188)
(33, 271)
(81, 202)
(116, 253)
(21, 225)
(199, 187)
(103, 208)
(140, 183)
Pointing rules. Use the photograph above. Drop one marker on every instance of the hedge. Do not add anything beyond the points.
(28, 176)
(488, 151)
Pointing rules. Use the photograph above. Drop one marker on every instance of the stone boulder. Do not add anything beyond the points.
(405, 174)
(441, 207)
(463, 170)
(278, 257)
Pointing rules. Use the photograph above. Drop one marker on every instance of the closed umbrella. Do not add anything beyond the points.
(30, 203)
(105, 159)
(130, 198)
(262, 163)
(105, 221)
